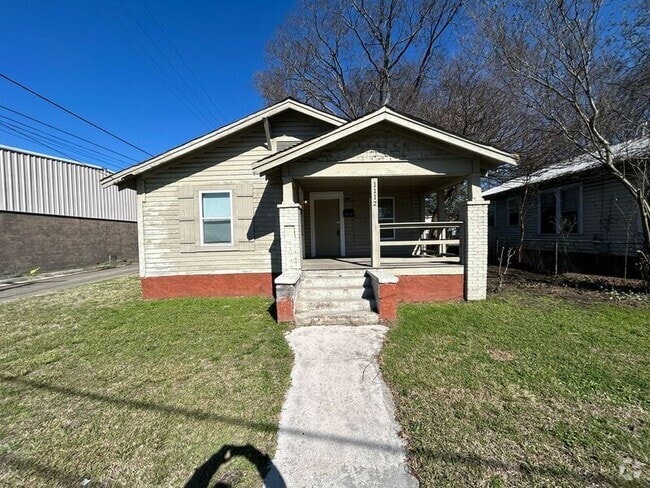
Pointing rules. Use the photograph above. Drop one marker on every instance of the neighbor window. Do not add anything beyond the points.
(491, 214)
(513, 211)
(559, 211)
(386, 216)
(216, 217)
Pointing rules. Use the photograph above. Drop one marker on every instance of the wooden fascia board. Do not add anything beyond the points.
(384, 114)
(215, 136)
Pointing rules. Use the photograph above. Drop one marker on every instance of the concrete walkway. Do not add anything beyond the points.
(337, 426)
(21, 287)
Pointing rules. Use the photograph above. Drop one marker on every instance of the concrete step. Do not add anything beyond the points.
(329, 293)
(333, 281)
(343, 318)
(333, 306)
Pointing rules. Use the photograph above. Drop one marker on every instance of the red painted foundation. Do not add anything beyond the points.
(417, 288)
(214, 285)
(284, 310)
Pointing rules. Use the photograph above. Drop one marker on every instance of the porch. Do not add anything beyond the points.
(411, 265)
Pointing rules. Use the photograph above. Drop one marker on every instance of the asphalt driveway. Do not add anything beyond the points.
(11, 289)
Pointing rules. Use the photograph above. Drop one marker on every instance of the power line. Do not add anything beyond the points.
(66, 132)
(42, 97)
(171, 85)
(180, 56)
(26, 137)
(44, 137)
(171, 65)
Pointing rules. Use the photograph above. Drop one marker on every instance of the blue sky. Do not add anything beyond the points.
(109, 62)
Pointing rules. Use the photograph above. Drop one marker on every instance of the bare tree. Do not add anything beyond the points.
(352, 56)
(568, 60)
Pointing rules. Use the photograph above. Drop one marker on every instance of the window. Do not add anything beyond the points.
(216, 217)
(387, 215)
(491, 214)
(559, 211)
(513, 211)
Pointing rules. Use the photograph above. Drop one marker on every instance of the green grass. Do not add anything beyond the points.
(96, 383)
(522, 391)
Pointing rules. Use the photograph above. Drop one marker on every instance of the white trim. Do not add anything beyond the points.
(384, 114)
(202, 218)
(199, 142)
(326, 195)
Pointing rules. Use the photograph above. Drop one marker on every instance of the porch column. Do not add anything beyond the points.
(374, 223)
(290, 214)
(442, 216)
(475, 238)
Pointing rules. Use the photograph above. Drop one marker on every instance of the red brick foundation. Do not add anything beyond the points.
(417, 288)
(284, 310)
(214, 285)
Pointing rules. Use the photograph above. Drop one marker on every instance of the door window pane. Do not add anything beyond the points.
(387, 215)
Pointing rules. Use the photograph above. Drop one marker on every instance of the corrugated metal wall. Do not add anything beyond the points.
(35, 183)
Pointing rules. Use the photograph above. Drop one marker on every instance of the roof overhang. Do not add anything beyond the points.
(221, 133)
(493, 156)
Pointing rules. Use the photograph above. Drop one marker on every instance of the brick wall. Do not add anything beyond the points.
(475, 249)
(291, 236)
(53, 243)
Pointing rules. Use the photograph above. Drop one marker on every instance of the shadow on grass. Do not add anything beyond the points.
(472, 460)
(192, 413)
(262, 462)
(458, 458)
(46, 472)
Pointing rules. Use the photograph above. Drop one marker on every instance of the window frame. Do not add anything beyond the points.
(557, 193)
(385, 221)
(492, 212)
(202, 219)
(518, 200)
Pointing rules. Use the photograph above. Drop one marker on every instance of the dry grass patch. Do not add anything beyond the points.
(97, 384)
(521, 392)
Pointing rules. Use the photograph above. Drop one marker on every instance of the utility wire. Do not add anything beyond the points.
(171, 65)
(42, 97)
(15, 133)
(180, 56)
(67, 133)
(42, 136)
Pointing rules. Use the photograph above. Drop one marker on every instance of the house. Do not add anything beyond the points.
(576, 216)
(54, 215)
(254, 207)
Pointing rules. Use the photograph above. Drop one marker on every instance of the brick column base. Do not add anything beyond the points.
(475, 247)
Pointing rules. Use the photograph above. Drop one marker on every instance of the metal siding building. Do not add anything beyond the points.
(55, 215)
(40, 184)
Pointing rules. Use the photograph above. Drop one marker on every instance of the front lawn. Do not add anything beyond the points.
(96, 384)
(523, 390)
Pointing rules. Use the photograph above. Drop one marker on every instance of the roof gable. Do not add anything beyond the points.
(221, 133)
(385, 114)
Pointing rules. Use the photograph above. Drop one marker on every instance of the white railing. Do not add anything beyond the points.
(438, 235)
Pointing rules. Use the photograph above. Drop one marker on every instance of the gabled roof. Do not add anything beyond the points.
(225, 131)
(623, 151)
(385, 114)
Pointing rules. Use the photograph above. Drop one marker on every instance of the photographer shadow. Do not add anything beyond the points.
(267, 471)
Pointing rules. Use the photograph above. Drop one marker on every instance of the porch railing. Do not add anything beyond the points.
(435, 237)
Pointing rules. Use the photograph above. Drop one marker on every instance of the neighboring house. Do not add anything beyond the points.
(576, 216)
(251, 207)
(54, 215)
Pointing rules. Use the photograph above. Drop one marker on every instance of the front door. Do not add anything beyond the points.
(327, 229)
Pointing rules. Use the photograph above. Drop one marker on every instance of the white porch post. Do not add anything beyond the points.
(374, 223)
(442, 216)
(475, 238)
(290, 214)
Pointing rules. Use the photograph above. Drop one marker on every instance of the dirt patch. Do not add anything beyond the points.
(499, 355)
(581, 288)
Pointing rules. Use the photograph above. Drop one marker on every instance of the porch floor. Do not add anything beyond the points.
(421, 263)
